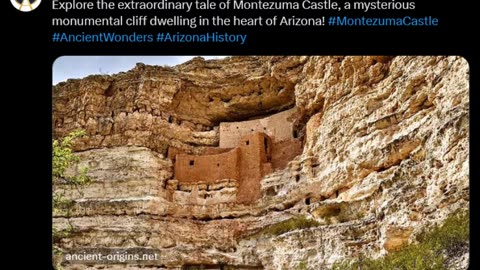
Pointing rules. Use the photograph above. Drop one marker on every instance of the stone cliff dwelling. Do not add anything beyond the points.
(247, 152)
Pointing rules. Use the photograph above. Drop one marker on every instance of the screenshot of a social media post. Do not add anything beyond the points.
(248, 134)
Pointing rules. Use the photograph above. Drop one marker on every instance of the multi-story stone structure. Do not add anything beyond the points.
(248, 151)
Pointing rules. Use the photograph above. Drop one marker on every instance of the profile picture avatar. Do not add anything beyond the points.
(25, 5)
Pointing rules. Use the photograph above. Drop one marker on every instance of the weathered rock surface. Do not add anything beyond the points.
(154, 106)
(386, 153)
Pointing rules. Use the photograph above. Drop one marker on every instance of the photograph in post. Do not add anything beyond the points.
(260, 162)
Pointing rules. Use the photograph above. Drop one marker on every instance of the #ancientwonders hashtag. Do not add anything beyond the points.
(55, 37)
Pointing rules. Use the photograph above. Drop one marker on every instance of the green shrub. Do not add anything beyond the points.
(63, 158)
(302, 266)
(427, 254)
(289, 225)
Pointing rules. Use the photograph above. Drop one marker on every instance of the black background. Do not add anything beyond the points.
(28, 82)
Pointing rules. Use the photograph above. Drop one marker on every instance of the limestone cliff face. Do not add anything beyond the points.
(158, 106)
(386, 151)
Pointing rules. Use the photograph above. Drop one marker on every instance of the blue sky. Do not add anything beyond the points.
(72, 67)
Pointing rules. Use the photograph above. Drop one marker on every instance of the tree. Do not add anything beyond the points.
(63, 160)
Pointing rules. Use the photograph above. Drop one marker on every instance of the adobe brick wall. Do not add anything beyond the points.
(284, 151)
(278, 127)
(255, 152)
(173, 151)
(214, 150)
(248, 151)
(247, 163)
(207, 168)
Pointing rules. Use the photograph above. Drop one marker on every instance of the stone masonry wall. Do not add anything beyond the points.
(208, 168)
(284, 152)
(247, 163)
(279, 127)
